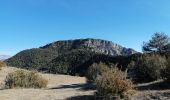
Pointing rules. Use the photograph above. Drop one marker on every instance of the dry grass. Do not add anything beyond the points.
(54, 81)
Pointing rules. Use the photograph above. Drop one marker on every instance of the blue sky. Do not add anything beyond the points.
(28, 24)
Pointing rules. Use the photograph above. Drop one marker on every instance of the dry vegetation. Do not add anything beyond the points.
(95, 70)
(60, 87)
(148, 68)
(2, 64)
(25, 79)
(114, 82)
(110, 81)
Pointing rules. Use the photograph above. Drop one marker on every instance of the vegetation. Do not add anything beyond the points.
(25, 79)
(78, 62)
(159, 63)
(148, 67)
(68, 57)
(70, 62)
(159, 43)
(96, 70)
(113, 82)
(2, 64)
(73, 62)
(36, 59)
(109, 73)
(166, 72)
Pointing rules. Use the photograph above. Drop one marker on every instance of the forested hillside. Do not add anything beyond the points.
(69, 57)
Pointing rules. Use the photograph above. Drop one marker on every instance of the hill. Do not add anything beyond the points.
(96, 45)
(68, 57)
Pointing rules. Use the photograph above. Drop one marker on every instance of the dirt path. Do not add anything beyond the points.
(60, 87)
(157, 90)
(152, 95)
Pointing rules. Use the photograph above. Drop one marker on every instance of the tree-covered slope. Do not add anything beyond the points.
(32, 58)
(69, 56)
(78, 61)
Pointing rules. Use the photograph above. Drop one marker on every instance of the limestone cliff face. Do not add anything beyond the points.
(96, 45)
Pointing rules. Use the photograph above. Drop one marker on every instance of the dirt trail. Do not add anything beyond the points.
(60, 87)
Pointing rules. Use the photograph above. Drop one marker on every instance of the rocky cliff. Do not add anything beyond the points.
(96, 45)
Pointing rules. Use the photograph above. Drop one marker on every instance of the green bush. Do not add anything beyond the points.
(95, 70)
(25, 79)
(2, 64)
(114, 82)
(147, 68)
(166, 72)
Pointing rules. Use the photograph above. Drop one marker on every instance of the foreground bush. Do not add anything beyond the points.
(95, 70)
(2, 64)
(25, 79)
(148, 68)
(166, 72)
(114, 82)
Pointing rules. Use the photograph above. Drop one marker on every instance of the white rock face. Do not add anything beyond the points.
(96, 45)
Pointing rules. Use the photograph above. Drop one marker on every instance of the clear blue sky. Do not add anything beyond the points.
(28, 24)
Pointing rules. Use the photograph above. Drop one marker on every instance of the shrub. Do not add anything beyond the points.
(166, 72)
(2, 64)
(113, 82)
(147, 68)
(25, 79)
(95, 70)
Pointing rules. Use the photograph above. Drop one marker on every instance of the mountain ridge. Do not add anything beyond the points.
(102, 46)
(68, 56)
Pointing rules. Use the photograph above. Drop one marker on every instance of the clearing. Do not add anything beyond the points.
(65, 87)
(60, 87)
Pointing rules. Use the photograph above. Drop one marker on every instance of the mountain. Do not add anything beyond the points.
(4, 57)
(68, 56)
(96, 45)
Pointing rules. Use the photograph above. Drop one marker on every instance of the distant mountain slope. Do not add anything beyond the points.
(72, 52)
(77, 61)
(4, 57)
